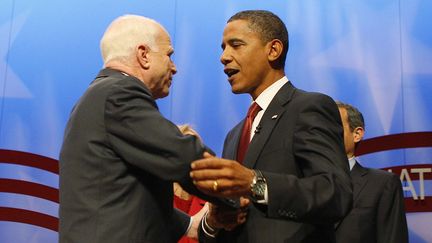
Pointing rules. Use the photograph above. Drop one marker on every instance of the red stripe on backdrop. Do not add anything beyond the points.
(415, 206)
(29, 159)
(29, 188)
(28, 217)
(394, 141)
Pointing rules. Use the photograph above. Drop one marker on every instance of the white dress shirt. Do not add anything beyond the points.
(352, 162)
(264, 99)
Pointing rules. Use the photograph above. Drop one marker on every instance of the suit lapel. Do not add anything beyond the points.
(271, 117)
(358, 176)
(232, 141)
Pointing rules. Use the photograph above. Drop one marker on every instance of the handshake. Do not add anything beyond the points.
(224, 179)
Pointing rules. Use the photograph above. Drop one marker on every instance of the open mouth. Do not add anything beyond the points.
(230, 72)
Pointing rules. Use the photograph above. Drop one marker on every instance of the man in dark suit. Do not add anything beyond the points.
(120, 156)
(294, 170)
(378, 213)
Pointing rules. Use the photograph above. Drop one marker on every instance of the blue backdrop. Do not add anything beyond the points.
(374, 54)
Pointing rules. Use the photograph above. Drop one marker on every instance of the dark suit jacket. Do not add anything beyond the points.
(299, 149)
(117, 164)
(378, 213)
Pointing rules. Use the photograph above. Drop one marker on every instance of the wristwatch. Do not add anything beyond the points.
(258, 187)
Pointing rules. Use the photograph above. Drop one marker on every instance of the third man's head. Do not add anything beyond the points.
(353, 126)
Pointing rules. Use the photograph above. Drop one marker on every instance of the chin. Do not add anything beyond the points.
(161, 95)
(237, 90)
(164, 95)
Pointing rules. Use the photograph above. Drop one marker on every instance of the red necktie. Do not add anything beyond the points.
(245, 135)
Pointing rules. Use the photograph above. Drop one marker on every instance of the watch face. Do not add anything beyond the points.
(259, 189)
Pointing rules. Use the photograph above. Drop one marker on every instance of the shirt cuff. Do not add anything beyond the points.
(209, 231)
(190, 225)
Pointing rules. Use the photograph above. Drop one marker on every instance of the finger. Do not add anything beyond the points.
(209, 188)
(219, 187)
(207, 155)
(241, 220)
(211, 163)
(207, 174)
(242, 215)
(233, 173)
(244, 202)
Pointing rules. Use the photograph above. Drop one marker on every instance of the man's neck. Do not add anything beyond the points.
(270, 79)
(122, 67)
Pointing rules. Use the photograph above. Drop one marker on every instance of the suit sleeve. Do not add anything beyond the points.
(391, 221)
(321, 192)
(145, 139)
(179, 223)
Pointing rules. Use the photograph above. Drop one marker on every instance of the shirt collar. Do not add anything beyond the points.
(264, 99)
(351, 162)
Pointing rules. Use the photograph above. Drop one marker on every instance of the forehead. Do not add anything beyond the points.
(162, 35)
(237, 29)
(163, 39)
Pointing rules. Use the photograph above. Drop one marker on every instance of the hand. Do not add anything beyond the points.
(220, 216)
(193, 230)
(179, 192)
(221, 177)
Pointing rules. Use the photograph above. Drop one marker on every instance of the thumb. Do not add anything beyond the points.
(207, 155)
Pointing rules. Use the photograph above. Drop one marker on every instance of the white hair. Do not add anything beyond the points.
(125, 33)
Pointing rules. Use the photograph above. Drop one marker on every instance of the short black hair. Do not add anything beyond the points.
(269, 26)
(355, 117)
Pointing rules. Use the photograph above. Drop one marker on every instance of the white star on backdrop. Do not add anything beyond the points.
(14, 86)
(375, 48)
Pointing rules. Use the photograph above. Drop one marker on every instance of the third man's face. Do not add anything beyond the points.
(348, 134)
(244, 58)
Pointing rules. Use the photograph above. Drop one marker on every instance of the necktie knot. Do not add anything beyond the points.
(253, 111)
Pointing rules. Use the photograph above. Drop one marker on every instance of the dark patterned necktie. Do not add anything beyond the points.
(245, 135)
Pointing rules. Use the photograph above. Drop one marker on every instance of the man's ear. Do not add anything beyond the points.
(275, 49)
(143, 57)
(358, 134)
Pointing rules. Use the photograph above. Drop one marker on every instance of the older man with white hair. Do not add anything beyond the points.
(120, 155)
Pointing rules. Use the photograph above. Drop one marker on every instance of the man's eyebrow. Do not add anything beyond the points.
(231, 41)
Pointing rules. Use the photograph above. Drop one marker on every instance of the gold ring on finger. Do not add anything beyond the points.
(215, 185)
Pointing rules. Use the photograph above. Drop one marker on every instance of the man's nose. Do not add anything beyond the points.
(225, 57)
(173, 68)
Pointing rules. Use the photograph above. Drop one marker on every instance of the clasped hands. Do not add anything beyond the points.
(221, 177)
(226, 179)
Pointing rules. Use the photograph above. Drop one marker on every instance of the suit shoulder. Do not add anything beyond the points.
(379, 172)
(383, 175)
(117, 82)
(312, 95)
(314, 99)
(306, 102)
